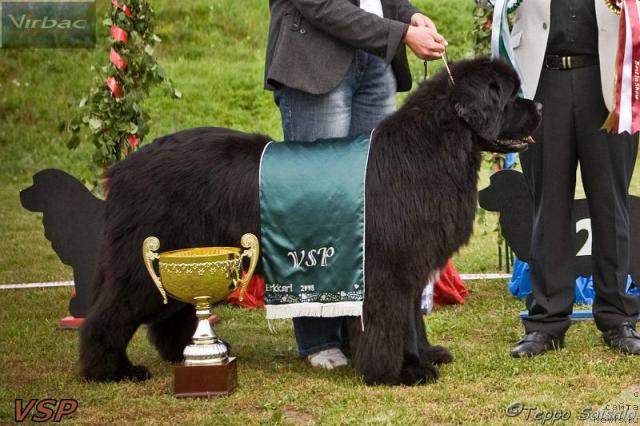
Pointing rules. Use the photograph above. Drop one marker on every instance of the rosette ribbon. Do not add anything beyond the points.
(625, 114)
(501, 38)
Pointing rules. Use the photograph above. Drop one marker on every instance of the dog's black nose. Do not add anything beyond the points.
(539, 107)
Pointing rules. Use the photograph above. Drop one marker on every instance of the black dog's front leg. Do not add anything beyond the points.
(377, 350)
(420, 358)
(388, 350)
(428, 353)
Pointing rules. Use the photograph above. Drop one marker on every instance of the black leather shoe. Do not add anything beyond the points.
(536, 343)
(623, 338)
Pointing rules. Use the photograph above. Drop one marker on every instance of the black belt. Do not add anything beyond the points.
(556, 62)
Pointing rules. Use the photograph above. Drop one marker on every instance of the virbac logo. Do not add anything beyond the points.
(46, 23)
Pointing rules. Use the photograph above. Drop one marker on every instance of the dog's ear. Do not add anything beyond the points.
(480, 105)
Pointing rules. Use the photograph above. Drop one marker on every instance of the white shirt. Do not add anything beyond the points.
(372, 6)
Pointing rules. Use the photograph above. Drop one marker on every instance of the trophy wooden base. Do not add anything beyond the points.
(205, 381)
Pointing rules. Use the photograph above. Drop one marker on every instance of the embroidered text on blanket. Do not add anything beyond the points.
(324, 253)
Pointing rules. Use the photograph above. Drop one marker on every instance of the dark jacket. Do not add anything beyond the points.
(312, 42)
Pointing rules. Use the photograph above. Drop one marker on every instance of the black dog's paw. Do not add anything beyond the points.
(377, 376)
(414, 374)
(136, 373)
(438, 355)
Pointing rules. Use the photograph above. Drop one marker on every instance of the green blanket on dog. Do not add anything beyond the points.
(312, 210)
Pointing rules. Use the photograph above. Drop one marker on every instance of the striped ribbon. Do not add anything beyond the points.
(501, 38)
(625, 114)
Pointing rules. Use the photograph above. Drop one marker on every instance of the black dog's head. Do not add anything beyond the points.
(485, 96)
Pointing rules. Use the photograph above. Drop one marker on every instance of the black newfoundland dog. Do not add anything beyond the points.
(199, 187)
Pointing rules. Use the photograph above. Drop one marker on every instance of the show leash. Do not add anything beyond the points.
(446, 65)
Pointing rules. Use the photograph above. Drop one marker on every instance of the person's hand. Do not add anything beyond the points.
(425, 42)
(419, 20)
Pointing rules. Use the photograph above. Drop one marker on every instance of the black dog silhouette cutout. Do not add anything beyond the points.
(73, 222)
(508, 194)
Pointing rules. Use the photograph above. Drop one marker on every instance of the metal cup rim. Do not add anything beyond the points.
(189, 254)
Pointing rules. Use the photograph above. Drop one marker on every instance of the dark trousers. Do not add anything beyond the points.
(570, 133)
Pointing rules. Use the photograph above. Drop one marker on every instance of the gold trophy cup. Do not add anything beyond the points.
(203, 276)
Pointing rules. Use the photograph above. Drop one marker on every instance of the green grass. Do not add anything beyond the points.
(278, 388)
(214, 53)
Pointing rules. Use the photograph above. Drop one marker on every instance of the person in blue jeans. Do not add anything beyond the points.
(335, 68)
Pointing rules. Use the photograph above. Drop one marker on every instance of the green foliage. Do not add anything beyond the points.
(483, 20)
(482, 31)
(114, 116)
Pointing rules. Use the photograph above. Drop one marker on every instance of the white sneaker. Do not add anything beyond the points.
(328, 359)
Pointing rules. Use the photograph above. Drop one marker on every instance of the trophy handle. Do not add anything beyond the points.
(250, 242)
(149, 246)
